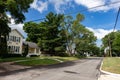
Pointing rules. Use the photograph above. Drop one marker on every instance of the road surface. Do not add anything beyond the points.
(85, 69)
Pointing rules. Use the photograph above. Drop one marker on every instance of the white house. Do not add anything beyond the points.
(33, 49)
(16, 45)
(14, 41)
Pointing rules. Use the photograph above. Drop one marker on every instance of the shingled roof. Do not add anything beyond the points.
(31, 44)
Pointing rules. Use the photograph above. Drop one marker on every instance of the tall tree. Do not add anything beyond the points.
(48, 34)
(71, 31)
(16, 8)
(77, 36)
(53, 40)
(112, 41)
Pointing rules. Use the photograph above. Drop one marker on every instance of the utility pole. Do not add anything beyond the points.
(109, 44)
(109, 40)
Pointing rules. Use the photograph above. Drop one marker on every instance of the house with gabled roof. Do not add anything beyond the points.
(14, 41)
(16, 44)
(33, 49)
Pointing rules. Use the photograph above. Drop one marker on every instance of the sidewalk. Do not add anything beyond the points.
(107, 75)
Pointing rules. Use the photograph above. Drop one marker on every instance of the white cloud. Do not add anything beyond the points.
(93, 3)
(61, 5)
(39, 5)
(100, 33)
(19, 27)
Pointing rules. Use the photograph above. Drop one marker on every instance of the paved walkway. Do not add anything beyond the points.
(108, 76)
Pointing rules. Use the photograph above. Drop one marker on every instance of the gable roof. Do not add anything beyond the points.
(17, 32)
(31, 44)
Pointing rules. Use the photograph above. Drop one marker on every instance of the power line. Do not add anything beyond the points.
(109, 40)
(81, 10)
(95, 7)
(40, 19)
(116, 19)
(37, 19)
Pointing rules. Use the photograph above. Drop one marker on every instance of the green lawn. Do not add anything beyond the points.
(111, 64)
(15, 59)
(37, 62)
(33, 61)
(66, 58)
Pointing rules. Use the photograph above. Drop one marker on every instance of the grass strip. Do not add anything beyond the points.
(111, 64)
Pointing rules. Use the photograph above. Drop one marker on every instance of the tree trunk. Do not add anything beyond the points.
(0, 44)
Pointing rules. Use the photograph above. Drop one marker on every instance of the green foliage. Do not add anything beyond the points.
(80, 55)
(48, 34)
(10, 55)
(16, 8)
(26, 49)
(114, 40)
(77, 36)
(58, 33)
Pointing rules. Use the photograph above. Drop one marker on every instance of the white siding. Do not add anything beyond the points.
(15, 41)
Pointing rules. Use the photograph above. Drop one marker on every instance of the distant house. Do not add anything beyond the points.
(33, 48)
(14, 42)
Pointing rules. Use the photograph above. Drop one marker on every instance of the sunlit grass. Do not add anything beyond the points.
(37, 62)
(111, 64)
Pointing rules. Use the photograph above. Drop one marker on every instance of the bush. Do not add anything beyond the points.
(10, 55)
(62, 54)
(33, 55)
(26, 49)
(80, 55)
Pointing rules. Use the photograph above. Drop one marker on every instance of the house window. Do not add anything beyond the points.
(17, 49)
(15, 38)
(19, 39)
(10, 38)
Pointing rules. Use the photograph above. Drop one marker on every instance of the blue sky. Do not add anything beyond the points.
(99, 20)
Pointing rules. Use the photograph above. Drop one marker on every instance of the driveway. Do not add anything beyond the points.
(85, 69)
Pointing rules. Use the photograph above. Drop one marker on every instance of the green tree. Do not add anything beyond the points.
(26, 49)
(48, 34)
(70, 27)
(53, 41)
(85, 40)
(16, 8)
(77, 36)
(112, 40)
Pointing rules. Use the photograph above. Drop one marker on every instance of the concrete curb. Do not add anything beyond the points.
(113, 76)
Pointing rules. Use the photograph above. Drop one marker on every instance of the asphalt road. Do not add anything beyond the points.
(86, 69)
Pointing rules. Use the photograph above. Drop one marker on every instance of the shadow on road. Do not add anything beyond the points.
(65, 64)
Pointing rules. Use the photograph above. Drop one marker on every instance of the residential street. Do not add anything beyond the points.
(85, 69)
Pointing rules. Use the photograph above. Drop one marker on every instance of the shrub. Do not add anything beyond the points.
(10, 55)
(80, 55)
(26, 49)
(62, 54)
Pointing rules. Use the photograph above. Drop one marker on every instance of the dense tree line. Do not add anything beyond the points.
(58, 34)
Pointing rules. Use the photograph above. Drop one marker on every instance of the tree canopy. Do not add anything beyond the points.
(58, 34)
(112, 40)
(16, 8)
